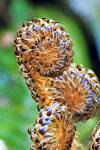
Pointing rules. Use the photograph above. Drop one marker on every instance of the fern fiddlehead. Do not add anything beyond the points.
(94, 143)
(64, 91)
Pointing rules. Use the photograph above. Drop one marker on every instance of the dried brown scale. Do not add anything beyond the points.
(95, 138)
(78, 88)
(53, 125)
(32, 48)
(50, 47)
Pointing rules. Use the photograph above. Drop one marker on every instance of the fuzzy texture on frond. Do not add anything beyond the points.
(95, 138)
(42, 45)
(54, 129)
(62, 90)
(78, 88)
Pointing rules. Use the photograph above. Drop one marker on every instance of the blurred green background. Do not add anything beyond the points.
(17, 109)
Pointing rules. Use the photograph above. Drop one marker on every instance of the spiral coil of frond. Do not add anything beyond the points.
(64, 91)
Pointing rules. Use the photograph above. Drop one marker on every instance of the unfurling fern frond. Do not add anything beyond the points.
(65, 92)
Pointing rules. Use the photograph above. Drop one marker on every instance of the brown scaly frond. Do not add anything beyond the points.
(95, 138)
(79, 89)
(54, 129)
(42, 45)
(43, 50)
(44, 53)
